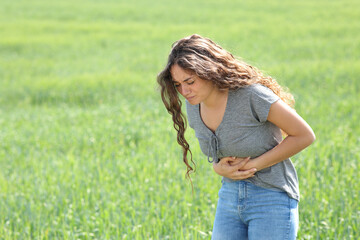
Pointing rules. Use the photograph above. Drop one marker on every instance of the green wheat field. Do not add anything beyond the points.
(87, 150)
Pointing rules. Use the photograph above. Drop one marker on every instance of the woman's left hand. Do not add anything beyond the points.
(232, 167)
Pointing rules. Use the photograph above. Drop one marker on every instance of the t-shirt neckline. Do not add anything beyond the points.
(222, 120)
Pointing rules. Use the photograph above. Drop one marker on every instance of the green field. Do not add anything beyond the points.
(87, 150)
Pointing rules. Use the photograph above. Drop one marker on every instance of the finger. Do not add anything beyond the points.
(239, 165)
(238, 160)
(242, 163)
(225, 160)
(244, 174)
(234, 168)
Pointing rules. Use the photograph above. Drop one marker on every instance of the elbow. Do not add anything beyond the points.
(310, 137)
(306, 138)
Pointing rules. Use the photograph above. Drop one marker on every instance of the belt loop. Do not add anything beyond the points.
(242, 190)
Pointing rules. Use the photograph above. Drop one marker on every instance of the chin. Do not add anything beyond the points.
(193, 102)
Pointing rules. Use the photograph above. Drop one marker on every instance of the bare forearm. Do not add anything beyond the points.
(290, 146)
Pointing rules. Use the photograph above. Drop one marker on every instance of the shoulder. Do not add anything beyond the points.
(254, 89)
(254, 100)
(258, 91)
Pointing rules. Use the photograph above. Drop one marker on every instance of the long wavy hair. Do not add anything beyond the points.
(209, 61)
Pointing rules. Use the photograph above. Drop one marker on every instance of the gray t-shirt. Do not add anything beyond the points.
(244, 131)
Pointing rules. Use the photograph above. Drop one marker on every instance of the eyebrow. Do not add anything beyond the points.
(187, 79)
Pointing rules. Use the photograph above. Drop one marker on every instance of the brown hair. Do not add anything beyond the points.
(211, 62)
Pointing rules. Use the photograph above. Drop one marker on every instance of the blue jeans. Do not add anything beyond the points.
(246, 211)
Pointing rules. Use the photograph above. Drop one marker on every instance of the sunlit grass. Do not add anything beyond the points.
(88, 151)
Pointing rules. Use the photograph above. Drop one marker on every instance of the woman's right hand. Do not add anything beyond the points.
(231, 167)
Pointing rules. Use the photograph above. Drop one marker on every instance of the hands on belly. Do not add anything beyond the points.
(232, 167)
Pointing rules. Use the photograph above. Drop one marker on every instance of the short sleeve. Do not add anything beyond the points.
(261, 100)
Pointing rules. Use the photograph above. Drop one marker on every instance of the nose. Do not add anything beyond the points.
(185, 90)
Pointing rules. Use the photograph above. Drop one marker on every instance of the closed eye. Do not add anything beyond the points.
(188, 83)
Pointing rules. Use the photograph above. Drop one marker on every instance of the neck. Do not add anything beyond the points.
(215, 99)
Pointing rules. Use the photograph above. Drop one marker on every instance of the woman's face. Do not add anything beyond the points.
(190, 86)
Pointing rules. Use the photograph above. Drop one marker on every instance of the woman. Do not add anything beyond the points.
(238, 115)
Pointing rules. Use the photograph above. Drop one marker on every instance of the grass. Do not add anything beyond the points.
(88, 151)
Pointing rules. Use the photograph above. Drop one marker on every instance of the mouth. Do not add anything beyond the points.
(189, 98)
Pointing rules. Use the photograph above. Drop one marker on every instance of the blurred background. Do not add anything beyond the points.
(88, 151)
